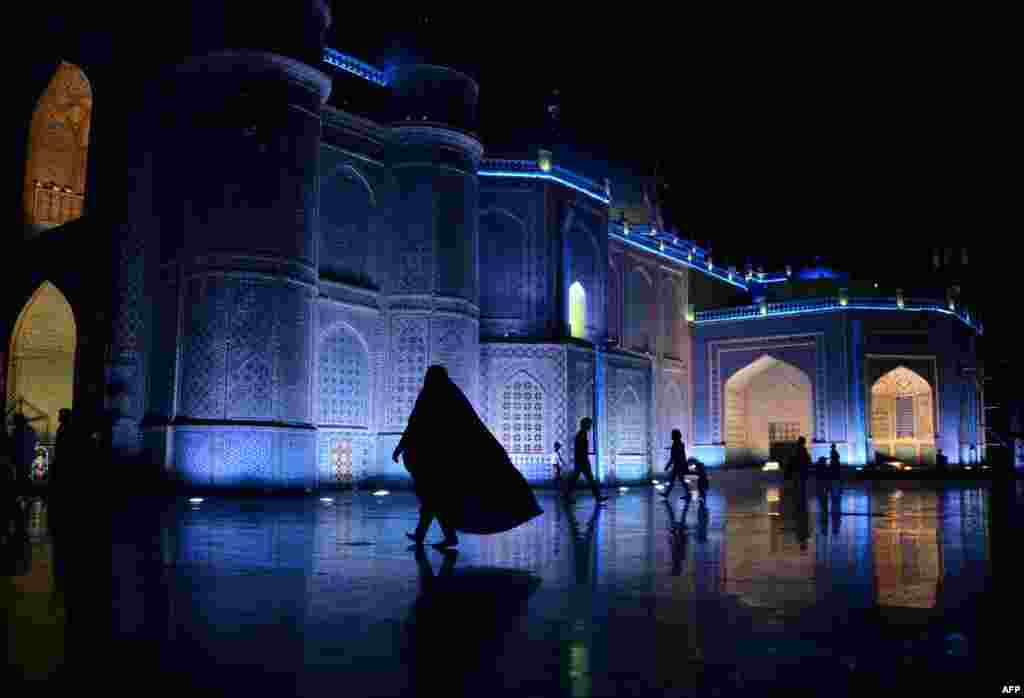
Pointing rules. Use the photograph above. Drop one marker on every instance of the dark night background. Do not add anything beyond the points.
(864, 139)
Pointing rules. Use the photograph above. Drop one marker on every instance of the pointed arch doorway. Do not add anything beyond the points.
(902, 417)
(41, 363)
(768, 406)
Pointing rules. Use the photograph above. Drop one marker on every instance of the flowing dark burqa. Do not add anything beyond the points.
(459, 468)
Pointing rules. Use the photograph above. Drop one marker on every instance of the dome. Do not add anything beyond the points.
(818, 270)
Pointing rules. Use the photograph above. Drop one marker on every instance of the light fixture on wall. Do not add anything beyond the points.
(843, 297)
(899, 297)
(625, 228)
(764, 307)
(544, 160)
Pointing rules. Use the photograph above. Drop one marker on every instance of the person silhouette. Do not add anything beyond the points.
(702, 479)
(677, 465)
(581, 459)
(801, 459)
(833, 462)
(558, 465)
(446, 485)
(62, 443)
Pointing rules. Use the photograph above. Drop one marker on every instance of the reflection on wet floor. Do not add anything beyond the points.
(767, 583)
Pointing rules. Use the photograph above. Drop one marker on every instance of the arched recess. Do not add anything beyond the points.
(346, 240)
(523, 430)
(578, 311)
(903, 417)
(672, 415)
(614, 302)
(631, 425)
(501, 261)
(672, 322)
(768, 406)
(41, 367)
(58, 150)
(344, 379)
(639, 309)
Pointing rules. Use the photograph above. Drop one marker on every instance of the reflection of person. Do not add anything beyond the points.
(576, 676)
(448, 451)
(581, 458)
(677, 537)
(677, 465)
(466, 614)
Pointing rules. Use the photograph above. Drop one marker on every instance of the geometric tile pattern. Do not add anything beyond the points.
(344, 394)
(522, 416)
(409, 366)
(540, 366)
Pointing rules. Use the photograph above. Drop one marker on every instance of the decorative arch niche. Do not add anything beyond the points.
(344, 378)
(903, 416)
(41, 368)
(58, 151)
(768, 406)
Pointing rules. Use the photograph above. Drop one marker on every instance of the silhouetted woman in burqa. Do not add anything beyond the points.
(461, 473)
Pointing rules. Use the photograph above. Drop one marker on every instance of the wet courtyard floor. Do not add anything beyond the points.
(768, 588)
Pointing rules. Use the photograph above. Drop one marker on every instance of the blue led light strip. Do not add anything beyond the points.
(753, 312)
(544, 175)
(355, 66)
(635, 242)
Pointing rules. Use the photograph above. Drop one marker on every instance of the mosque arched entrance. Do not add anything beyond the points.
(41, 363)
(768, 406)
(902, 417)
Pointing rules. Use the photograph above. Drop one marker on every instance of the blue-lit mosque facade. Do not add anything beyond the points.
(272, 316)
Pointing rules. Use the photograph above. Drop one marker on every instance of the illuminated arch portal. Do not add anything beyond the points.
(578, 311)
(902, 416)
(768, 406)
(58, 150)
(40, 375)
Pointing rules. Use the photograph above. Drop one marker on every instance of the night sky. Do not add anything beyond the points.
(863, 142)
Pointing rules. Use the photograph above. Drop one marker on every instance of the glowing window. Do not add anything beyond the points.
(904, 417)
(578, 310)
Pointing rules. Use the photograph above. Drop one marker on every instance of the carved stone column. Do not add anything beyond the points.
(246, 150)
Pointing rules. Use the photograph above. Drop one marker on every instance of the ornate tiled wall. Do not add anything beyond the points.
(351, 351)
(628, 399)
(521, 380)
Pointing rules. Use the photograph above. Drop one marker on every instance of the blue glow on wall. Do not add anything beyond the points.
(650, 245)
(355, 66)
(809, 306)
(551, 177)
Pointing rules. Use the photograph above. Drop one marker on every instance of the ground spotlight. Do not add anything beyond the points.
(623, 489)
(381, 493)
(771, 465)
(196, 500)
